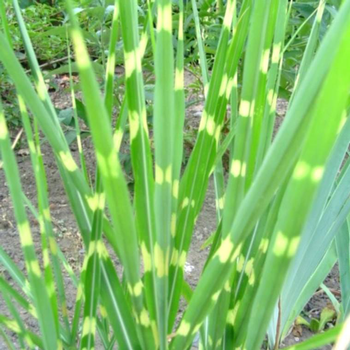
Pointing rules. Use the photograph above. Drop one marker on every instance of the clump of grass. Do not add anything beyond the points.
(279, 196)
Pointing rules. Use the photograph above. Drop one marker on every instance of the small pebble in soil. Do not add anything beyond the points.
(188, 267)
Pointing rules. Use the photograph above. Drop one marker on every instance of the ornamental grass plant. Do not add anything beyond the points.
(282, 210)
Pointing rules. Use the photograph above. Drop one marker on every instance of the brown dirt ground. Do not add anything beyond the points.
(68, 236)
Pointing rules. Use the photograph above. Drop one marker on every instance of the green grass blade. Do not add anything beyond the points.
(226, 143)
(202, 55)
(272, 86)
(4, 22)
(180, 110)
(180, 113)
(219, 185)
(12, 326)
(21, 331)
(163, 124)
(343, 248)
(311, 45)
(178, 136)
(333, 300)
(120, 125)
(75, 113)
(260, 94)
(6, 288)
(110, 67)
(117, 308)
(149, 23)
(15, 272)
(93, 276)
(103, 335)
